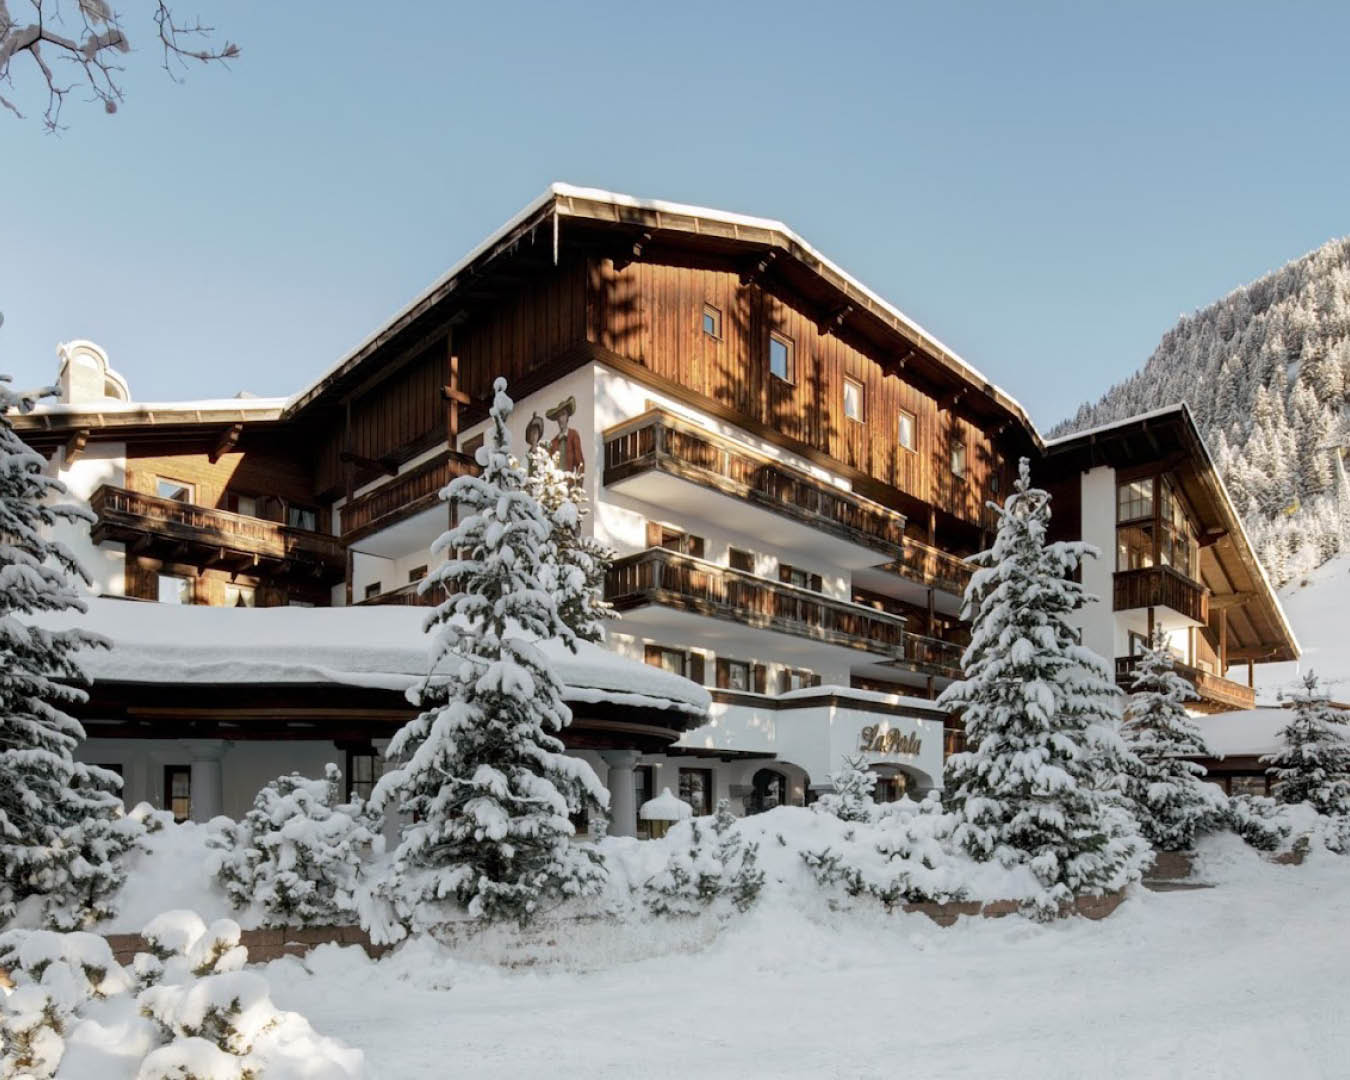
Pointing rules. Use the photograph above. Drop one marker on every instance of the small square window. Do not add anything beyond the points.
(676, 661)
(959, 460)
(174, 489)
(908, 426)
(417, 573)
(738, 675)
(712, 321)
(853, 399)
(373, 590)
(740, 559)
(302, 517)
(780, 358)
(174, 589)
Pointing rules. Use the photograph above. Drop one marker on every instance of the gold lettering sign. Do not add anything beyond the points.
(876, 739)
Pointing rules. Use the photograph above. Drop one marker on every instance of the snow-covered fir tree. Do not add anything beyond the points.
(299, 852)
(1041, 714)
(1266, 372)
(852, 797)
(714, 863)
(579, 561)
(481, 773)
(61, 824)
(1313, 763)
(1173, 802)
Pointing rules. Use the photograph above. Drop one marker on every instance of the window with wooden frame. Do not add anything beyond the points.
(740, 559)
(907, 430)
(178, 791)
(712, 322)
(672, 539)
(302, 517)
(177, 490)
(734, 675)
(696, 788)
(417, 573)
(677, 661)
(372, 590)
(236, 502)
(782, 362)
(854, 400)
(364, 768)
(959, 460)
(796, 679)
(803, 579)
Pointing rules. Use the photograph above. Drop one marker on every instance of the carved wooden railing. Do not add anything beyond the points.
(659, 576)
(934, 656)
(1161, 586)
(132, 516)
(933, 567)
(662, 441)
(402, 495)
(1213, 689)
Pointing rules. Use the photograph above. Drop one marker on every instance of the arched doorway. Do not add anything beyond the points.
(893, 784)
(768, 788)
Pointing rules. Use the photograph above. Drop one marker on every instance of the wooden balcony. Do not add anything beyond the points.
(200, 536)
(403, 495)
(932, 656)
(1216, 693)
(1161, 586)
(659, 576)
(662, 442)
(405, 596)
(933, 567)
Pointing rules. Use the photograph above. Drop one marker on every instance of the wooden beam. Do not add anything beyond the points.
(228, 440)
(1211, 538)
(381, 465)
(634, 252)
(1230, 600)
(758, 268)
(833, 319)
(948, 402)
(75, 445)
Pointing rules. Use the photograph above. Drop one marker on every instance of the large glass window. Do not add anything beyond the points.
(178, 791)
(1134, 547)
(364, 768)
(1135, 500)
(696, 789)
(1177, 544)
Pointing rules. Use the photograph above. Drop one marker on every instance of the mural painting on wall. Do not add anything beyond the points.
(566, 445)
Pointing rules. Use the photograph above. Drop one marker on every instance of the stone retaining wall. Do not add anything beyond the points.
(265, 945)
(1090, 907)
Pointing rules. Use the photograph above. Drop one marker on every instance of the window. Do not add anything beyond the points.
(712, 321)
(907, 430)
(174, 489)
(372, 590)
(890, 788)
(174, 589)
(302, 517)
(675, 661)
(178, 791)
(853, 399)
(664, 536)
(803, 579)
(1134, 547)
(733, 675)
(364, 767)
(239, 595)
(739, 559)
(796, 679)
(959, 460)
(768, 788)
(1135, 500)
(780, 358)
(696, 787)
(417, 573)
(644, 790)
(241, 504)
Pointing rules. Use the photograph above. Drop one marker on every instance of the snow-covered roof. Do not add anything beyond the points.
(1111, 425)
(864, 696)
(379, 646)
(1245, 733)
(560, 190)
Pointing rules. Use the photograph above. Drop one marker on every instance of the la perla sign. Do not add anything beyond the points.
(876, 739)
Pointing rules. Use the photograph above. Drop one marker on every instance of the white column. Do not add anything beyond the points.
(622, 795)
(208, 789)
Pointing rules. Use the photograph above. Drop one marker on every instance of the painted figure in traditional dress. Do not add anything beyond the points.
(566, 445)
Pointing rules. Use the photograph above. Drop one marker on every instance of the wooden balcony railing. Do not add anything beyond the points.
(659, 576)
(933, 567)
(208, 537)
(1215, 691)
(1161, 586)
(658, 440)
(933, 656)
(406, 596)
(403, 495)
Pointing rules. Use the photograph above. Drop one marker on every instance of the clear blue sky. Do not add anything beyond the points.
(1044, 187)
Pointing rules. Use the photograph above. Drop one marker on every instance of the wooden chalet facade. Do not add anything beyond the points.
(792, 473)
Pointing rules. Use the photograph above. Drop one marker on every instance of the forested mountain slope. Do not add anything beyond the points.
(1266, 371)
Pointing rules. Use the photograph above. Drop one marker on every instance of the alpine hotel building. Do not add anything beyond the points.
(792, 472)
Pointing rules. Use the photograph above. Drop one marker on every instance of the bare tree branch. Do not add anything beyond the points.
(89, 55)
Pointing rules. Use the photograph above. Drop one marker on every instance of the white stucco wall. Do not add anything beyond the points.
(100, 463)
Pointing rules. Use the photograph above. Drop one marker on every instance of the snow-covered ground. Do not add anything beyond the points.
(1247, 979)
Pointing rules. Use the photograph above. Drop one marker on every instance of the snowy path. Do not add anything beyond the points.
(1245, 980)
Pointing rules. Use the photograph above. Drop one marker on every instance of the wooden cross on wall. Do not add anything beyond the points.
(454, 396)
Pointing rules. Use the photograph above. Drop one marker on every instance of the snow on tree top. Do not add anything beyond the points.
(383, 647)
